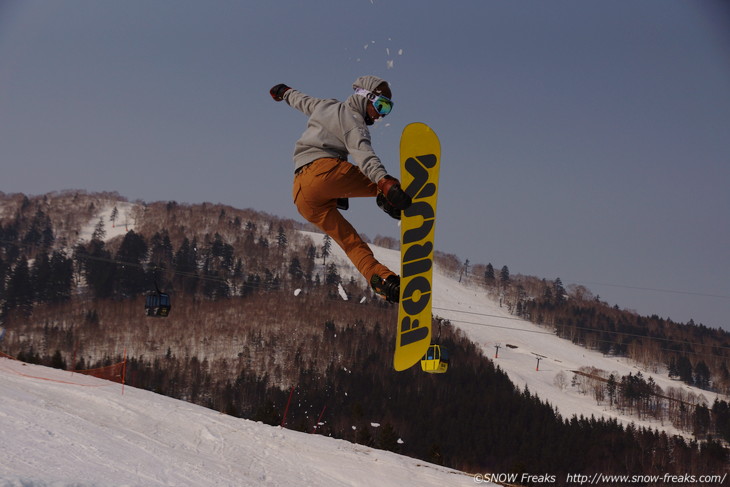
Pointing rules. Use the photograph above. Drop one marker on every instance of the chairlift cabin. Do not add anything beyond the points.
(157, 304)
(436, 360)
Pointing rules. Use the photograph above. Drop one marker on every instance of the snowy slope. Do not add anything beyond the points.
(113, 227)
(61, 429)
(487, 324)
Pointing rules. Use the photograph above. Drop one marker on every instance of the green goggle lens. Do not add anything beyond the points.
(382, 105)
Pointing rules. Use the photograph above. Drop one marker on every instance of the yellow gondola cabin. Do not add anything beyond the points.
(436, 360)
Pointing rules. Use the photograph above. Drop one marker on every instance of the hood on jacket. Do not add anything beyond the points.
(359, 103)
(368, 83)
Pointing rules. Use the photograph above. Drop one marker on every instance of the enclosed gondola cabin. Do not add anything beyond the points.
(157, 305)
(436, 360)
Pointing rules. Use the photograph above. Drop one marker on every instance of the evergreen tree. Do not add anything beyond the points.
(702, 375)
(504, 276)
(326, 247)
(40, 276)
(673, 370)
(113, 217)
(131, 277)
(214, 283)
(332, 276)
(281, 240)
(611, 388)
(19, 290)
(489, 278)
(721, 417)
(559, 291)
(547, 294)
(40, 234)
(295, 269)
(61, 278)
(99, 231)
(701, 420)
(99, 268)
(57, 361)
(684, 370)
(309, 263)
(223, 254)
(186, 266)
(161, 253)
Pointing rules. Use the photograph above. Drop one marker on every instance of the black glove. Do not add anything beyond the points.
(387, 207)
(277, 92)
(390, 187)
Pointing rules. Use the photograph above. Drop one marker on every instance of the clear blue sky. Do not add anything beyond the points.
(583, 140)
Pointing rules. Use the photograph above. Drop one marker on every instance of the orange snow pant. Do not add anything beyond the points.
(317, 187)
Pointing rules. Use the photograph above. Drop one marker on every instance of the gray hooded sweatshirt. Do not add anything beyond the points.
(337, 129)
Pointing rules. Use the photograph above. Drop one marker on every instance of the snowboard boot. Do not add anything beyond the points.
(389, 288)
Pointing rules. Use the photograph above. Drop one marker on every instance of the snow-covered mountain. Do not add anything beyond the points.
(65, 429)
(61, 428)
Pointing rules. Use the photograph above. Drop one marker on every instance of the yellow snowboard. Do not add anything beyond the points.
(420, 155)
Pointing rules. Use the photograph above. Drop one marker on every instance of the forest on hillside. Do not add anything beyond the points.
(693, 353)
(240, 340)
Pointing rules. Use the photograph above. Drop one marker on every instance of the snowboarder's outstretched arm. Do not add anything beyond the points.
(296, 99)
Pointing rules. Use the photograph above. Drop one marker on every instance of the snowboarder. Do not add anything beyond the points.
(324, 179)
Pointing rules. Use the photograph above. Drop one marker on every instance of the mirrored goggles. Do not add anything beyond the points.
(381, 104)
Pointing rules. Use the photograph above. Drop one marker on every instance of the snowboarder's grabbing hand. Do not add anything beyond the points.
(277, 92)
(323, 175)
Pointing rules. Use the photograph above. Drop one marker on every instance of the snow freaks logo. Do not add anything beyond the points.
(418, 250)
(601, 479)
(512, 478)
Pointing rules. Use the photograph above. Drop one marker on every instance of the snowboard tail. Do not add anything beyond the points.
(420, 155)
